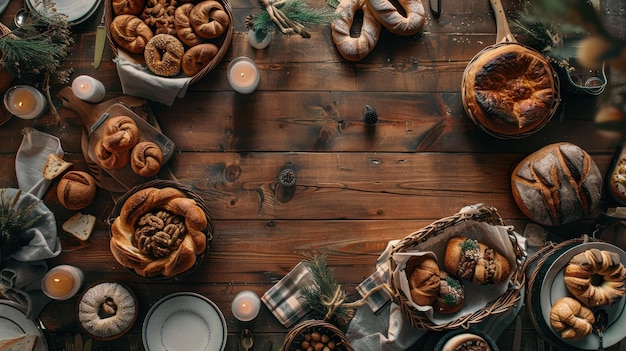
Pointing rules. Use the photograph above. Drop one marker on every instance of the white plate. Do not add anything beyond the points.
(553, 288)
(13, 323)
(184, 321)
(76, 11)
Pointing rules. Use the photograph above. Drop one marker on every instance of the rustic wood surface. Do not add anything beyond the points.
(357, 187)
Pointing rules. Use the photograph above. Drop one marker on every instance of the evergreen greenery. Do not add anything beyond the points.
(13, 221)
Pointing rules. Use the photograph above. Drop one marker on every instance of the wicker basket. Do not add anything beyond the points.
(160, 184)
(296, 335)
(222, 42)
(503, 303)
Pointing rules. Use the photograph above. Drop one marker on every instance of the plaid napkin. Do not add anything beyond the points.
(284, 299)
(379, 299)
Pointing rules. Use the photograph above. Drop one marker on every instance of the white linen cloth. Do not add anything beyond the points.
(31, 159)
(137, 80)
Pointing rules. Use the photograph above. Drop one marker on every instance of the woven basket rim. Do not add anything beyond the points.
(302, 327)
(161, 183)
(503, 303)
(221, 52)
(556, 101)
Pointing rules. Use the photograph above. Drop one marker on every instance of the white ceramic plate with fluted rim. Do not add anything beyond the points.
(553, 288)
(77, 11)
(13, 323)
(184, 321)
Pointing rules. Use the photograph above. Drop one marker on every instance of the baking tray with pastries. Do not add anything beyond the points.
(457, 271)
(127, 147)
(160, 230)
(172, 38)
(571, 282)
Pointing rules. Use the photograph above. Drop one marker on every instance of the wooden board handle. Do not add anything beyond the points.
(503, 31)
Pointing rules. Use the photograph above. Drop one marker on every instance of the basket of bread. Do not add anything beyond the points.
(316, 335)
(457, 271)
(573, 287)
(160, 230)
(160, 40)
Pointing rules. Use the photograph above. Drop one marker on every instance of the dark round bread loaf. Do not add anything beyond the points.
(557, 184)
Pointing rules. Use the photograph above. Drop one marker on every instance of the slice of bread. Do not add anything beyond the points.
(55, 165)
(80, 225)
(25, 342)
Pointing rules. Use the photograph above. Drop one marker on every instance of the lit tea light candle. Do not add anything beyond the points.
(62, 282)
(88, 89)
(243, 75)
(246, 305)
(25, 102)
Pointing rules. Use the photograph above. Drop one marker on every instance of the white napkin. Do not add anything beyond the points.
(31, 159)
(137, 80)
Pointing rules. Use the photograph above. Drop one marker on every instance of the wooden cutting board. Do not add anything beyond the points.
(89, 115)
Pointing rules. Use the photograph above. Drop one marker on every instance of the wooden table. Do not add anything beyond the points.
(357, 188)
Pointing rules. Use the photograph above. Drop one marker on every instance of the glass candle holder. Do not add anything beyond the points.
(62, 282)
(25, 102)
(246, 305)
(243, 75)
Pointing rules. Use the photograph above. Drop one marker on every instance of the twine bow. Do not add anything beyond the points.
(338, 298)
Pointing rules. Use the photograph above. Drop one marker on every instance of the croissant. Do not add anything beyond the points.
(130, 33)
(208, 19)
(146, 159)
(469, 259)
(158, 232)
(572, 319)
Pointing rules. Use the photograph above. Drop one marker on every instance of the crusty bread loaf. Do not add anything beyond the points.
(76, 190)
(571, 319)
(174, 250)
(556, 184)
(617, 177)
(80, 225)
(130, 33)
(509, 91)
(351, 48)
(25, 342)
(471, 260)
(55, 166)
(423, 275)
(408, 22)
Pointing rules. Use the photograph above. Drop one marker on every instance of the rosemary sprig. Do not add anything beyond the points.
(13, 221)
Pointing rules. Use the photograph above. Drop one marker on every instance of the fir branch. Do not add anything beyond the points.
(324, 295)
(295, 12)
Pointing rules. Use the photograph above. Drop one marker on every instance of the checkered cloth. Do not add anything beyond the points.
(284, 299)
(379, 299)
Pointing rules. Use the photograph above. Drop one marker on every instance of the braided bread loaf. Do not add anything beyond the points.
(159, 232)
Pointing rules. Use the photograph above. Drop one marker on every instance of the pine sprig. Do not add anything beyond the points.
(13, 221)
(325, 294)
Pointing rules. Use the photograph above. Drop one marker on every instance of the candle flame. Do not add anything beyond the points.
(242, 75)
(82, 86)
(20, 104)
(57, 280)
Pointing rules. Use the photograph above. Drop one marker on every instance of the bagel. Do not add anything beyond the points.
(349, 47)
(209, 19)
(163, 54)
(396, 22)
(197, 57)
(130, 33)
(571, 319)
(606, 267)
(184, 31)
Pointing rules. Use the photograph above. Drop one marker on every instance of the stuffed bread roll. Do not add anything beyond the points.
(474, 261)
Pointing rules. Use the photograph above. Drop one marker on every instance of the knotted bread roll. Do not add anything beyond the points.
(197, 57)
(111, 159)
(130, 33)
(570, 318)
(120, 133)
(128, 7)
(209, 19)
(146, 159)
(159, 232)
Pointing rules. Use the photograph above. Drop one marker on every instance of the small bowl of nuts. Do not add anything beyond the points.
(315, 335)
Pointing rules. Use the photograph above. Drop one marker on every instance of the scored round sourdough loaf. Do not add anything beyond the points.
(557, 184)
